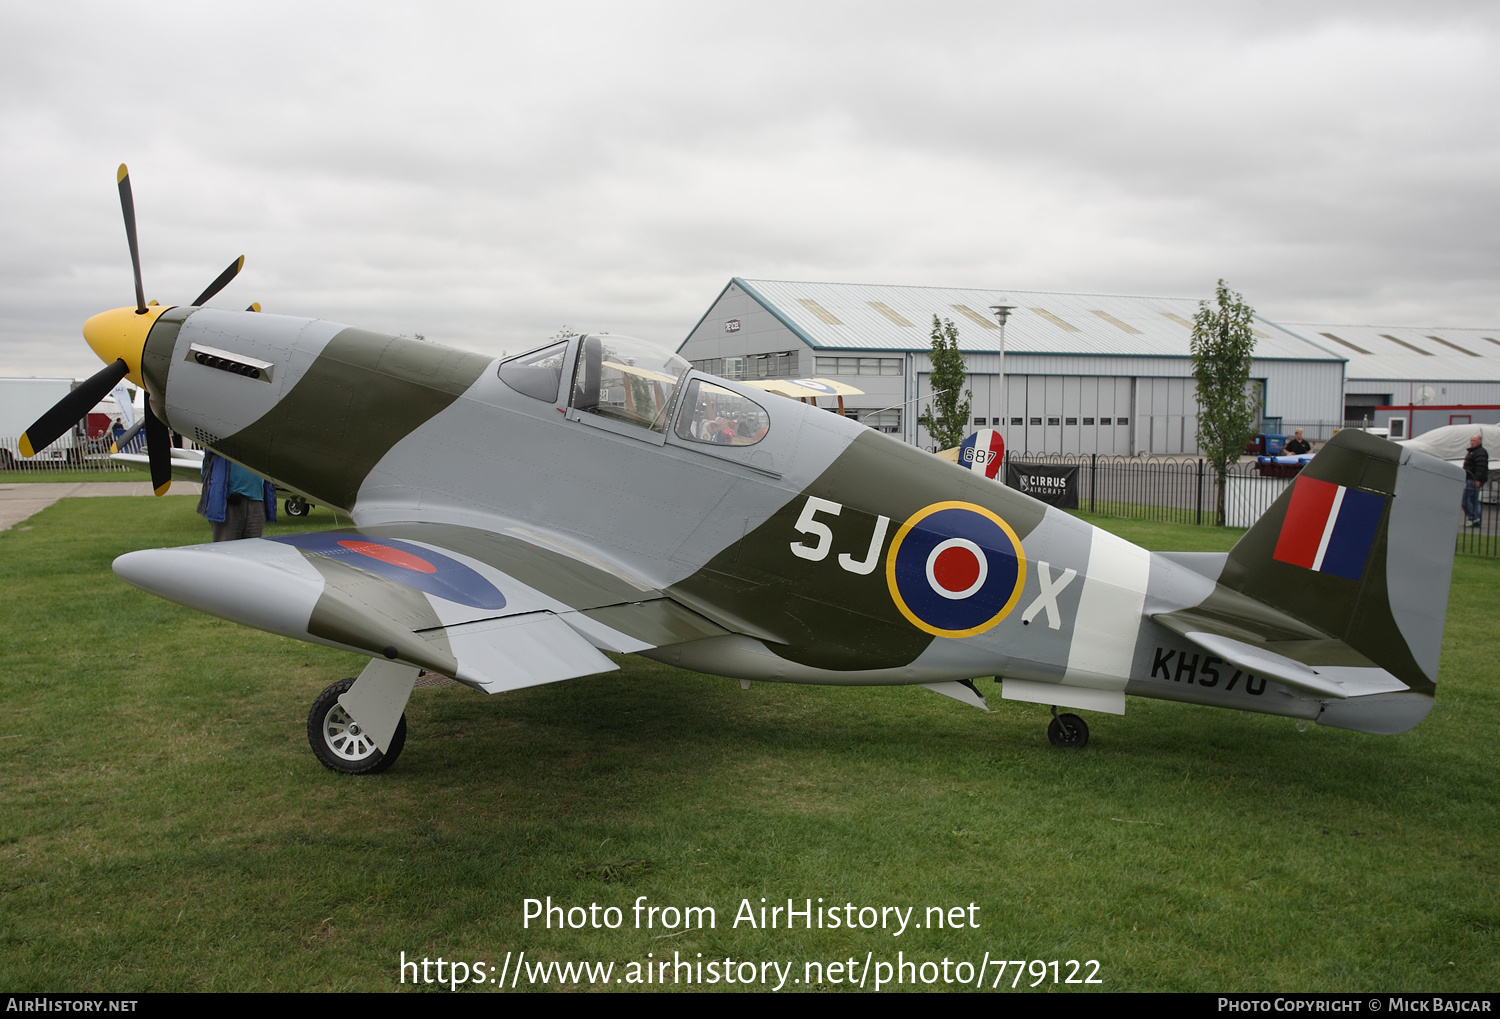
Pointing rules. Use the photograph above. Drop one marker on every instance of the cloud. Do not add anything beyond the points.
(484, 174)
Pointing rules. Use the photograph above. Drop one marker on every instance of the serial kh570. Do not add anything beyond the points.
(514, 519)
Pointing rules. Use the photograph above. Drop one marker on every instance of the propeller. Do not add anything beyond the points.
(127, 435)
(127, 206)
(158, 450)
(109, 333)
(222, 282)
(72, 408)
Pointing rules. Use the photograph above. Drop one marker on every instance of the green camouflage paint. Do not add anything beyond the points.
(1357, 613)
(363, 394)
(822, 614)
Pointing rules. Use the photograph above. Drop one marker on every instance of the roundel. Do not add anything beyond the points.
(821, 387)
(955, 569)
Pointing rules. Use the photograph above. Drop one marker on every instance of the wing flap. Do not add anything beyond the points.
(519, 651)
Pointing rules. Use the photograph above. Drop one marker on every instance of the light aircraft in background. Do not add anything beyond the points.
(514, 520)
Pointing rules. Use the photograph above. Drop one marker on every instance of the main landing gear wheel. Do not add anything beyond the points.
(338, 741)
(1067, 730)
(296, 506)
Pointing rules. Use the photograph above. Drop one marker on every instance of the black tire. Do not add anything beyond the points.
(1068, 731)
(297, 507)
(339, 749)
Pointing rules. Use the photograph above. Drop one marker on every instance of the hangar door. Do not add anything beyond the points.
(1068, 414)
(1166, 415)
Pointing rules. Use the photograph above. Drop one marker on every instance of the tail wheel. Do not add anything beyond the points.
(1067, 731)
(296, 506)
(338, 741)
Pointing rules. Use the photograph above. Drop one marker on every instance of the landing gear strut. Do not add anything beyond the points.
(1067, 730)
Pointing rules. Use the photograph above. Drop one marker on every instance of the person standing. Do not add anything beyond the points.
(1476, 473)
(236, 502)
(1297, 445)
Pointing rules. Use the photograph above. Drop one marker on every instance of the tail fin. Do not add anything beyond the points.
(1341, 588)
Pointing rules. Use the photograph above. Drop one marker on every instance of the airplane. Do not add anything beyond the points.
(516, 519)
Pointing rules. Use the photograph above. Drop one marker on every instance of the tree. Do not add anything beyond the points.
(1222, 348)
(948, 425)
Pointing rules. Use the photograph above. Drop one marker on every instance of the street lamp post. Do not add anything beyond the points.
(1001, 313)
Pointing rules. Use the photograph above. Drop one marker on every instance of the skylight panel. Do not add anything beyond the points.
(965, 310)
(1114, 321)
(1056, 321)
(817, 309)
(1346, 343)
(1493, 340)
(890, 313)
(1408, 346)
(1455, 346)
(1178, 319)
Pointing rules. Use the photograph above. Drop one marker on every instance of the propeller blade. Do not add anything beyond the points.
(72, 408)
(222, 282)
(159, 450)
(254, 307)
(127, 206)
(127, 435)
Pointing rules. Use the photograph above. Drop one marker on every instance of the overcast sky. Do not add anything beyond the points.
(485, 174)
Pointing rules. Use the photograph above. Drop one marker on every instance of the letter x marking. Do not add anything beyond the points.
(1048, 598)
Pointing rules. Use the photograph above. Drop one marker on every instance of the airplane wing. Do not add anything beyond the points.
(495, 611)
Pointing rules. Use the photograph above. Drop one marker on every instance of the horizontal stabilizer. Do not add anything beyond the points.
(1320, 668)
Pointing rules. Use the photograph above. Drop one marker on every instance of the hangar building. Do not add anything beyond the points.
(1411, 379)
(1065, 373)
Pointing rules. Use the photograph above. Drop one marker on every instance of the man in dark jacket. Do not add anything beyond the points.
(1297, 445)
(1476, 473)
(236, 502)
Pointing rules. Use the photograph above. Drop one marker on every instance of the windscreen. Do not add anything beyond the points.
(626, 379)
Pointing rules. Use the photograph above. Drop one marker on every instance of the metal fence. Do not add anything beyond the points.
(1183, 490)
(83, 455)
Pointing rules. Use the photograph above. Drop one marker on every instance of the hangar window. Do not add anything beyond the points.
(1072, 421)
(626, 379)
(1449, 343)
(1036, 421)
(1016, 421)
(716, 415)
(1122, 421)
(537, 374)
(1105, 421)
(1346, 343)
(1088, 421)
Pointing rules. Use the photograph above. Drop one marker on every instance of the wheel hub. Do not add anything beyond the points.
(345, 737)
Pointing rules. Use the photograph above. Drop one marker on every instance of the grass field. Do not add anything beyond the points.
(49, 475)
(163, 825)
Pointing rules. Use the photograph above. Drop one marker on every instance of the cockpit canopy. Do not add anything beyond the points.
(634, 382)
